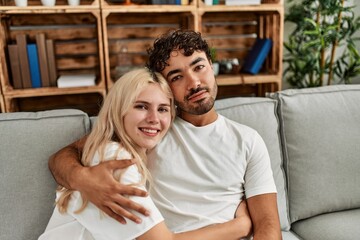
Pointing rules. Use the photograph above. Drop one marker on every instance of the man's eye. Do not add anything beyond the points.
(199, 67)
(175, 78)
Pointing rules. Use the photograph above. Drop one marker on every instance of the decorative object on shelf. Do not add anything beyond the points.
(322, 43)
(78, 80)
(73, 2)
(229, 66)
(208, 2)
(48, 3)
(21, 3)
(124, 63)
(242, 2)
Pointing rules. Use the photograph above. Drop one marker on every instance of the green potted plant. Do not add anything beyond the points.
(215, 63)
(321, 50)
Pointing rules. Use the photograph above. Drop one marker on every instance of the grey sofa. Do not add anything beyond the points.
(312, 136)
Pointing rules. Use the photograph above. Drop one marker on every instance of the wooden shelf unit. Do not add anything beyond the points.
(90, 37)
(78, 47)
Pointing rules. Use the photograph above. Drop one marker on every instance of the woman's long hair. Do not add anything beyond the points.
(109, 125)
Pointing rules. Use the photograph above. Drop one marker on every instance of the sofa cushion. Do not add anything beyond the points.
(260, 114)
(337, 225)
(320, 128)
(27, 187)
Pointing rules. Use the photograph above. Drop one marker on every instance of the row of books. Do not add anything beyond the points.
(170, 2)
(32, 64)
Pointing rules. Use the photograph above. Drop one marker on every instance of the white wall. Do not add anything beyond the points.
(289, 26)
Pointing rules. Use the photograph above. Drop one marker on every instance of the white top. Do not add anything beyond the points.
(93, 224)
(201, 173)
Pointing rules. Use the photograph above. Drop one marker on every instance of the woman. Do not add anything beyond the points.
(135, 116)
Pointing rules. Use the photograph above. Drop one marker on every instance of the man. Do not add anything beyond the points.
(203, 167)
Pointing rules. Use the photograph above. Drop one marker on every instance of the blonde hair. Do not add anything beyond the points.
(109, 125)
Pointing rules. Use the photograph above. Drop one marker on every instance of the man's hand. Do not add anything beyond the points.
(98, 185)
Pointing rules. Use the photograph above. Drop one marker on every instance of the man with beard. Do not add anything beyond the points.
(202, 168)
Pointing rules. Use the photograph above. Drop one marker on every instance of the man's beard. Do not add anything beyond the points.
(201, 106)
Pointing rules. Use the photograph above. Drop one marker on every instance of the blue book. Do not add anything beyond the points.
(34, 65)
(257, 55)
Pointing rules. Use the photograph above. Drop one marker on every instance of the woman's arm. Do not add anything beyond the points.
(96, 183)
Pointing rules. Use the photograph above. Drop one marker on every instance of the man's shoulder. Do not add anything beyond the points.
(235, 124)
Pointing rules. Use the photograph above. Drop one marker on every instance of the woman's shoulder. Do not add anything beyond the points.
(115, 150)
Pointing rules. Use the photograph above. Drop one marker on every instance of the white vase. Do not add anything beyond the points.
(208, 2)
(21, 3)
(49, 3)
(74, 2)
(216, 68)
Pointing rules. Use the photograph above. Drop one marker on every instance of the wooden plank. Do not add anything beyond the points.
(58, 2)
(56, 19)
(89, 103)
(77, 62)
(59, 33)
(76, 47)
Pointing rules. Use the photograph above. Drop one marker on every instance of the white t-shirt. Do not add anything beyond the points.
(91, 223)
(201, 173)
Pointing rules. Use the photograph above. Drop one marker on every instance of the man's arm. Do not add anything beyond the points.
(237, 228)
(96, 183)
(264, 215)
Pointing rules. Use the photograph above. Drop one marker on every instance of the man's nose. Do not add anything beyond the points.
(193, 81)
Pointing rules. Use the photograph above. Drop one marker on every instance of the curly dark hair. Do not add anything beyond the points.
(186, 40)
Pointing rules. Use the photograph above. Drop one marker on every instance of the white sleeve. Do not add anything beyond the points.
(259, 177)
(103, 227)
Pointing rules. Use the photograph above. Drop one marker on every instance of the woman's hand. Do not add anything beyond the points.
(243, 217)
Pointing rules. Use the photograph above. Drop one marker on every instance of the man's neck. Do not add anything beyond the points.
(200, 120)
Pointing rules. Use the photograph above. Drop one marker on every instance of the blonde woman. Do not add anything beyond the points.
(135, 116)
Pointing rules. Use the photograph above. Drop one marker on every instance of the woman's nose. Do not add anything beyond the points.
(153, 116)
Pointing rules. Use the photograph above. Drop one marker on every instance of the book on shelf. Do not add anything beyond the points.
(78, 80)
(50, 52)
(34, 65)
(21, 42)
(15, 68)
(257, 55)
(43, 62)
(242, 2)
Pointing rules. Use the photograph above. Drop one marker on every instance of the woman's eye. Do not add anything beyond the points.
(164, 109)
(140, 107)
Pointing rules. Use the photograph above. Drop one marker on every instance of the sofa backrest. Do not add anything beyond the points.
(320, 130)
(26, 185)
(260, 114)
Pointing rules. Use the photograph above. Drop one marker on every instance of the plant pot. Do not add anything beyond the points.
(74, 2)
(21, 3)
(48, 3)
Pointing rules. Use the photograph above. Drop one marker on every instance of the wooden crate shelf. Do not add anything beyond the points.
(78, 49)
(88, 102)
(90, 37)
(233, 31)
(135, 32)
(59, 4)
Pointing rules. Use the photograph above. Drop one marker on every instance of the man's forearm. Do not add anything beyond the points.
(264, 214)
(66, 163)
